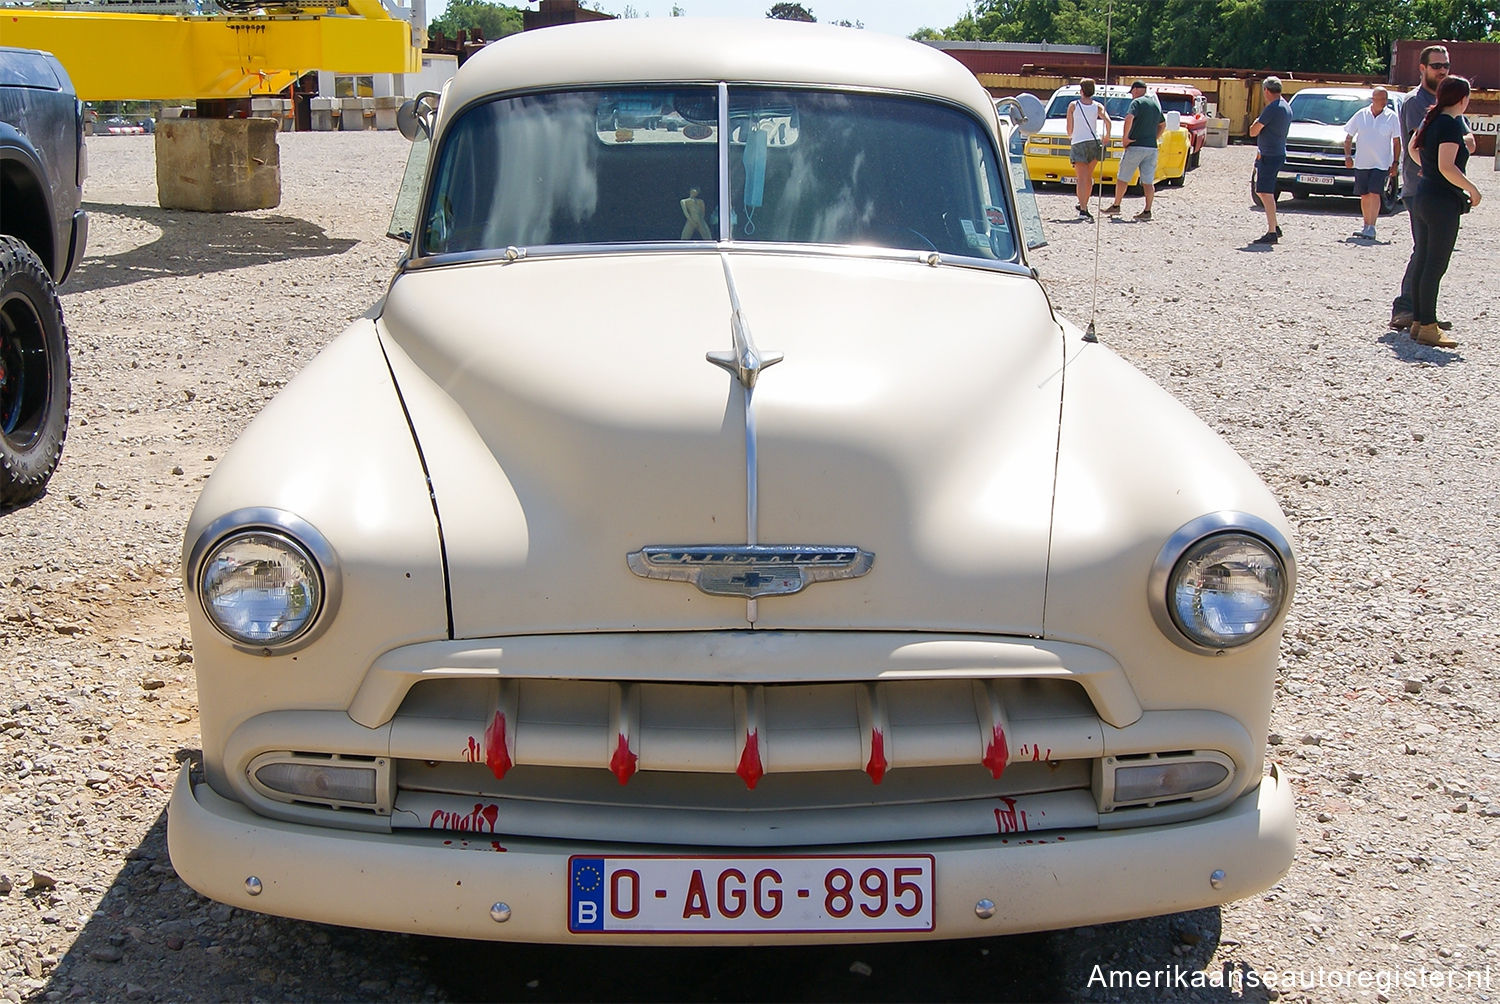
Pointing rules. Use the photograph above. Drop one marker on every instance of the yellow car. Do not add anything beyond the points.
(1047, 151)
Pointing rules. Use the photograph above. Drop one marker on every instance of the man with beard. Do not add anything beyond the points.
(1433, 66)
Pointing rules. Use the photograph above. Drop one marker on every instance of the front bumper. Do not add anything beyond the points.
(439, 885)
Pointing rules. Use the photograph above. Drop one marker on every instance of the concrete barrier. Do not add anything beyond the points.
(358, 113)
(385, 112)
(217, 165)
(325, 114)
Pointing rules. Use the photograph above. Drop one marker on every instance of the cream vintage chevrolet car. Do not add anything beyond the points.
(714, 536)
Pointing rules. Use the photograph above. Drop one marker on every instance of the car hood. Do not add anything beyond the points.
(1316, 134)
(568, 416)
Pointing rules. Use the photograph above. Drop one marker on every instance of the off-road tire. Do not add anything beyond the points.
(35, 378)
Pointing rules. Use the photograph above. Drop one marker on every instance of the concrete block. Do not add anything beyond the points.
(217, 165)
(359, 113)
(262, 108)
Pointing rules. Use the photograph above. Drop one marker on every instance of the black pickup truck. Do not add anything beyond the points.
(43, 229)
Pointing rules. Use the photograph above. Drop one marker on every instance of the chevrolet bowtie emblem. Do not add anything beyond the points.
(750, 570)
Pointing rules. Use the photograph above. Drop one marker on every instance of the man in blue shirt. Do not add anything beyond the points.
(1269, 132)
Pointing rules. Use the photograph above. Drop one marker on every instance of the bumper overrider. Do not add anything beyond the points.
(518, 889)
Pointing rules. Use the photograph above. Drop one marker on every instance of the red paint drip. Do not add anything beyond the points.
(496, 756)
(1007, 820)
(750, 767)
(998, 755)
(877, 766)
(624, 761)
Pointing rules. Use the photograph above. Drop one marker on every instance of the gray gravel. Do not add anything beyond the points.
(1383, 454)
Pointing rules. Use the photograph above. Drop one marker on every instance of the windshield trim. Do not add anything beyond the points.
(989, 130)
(863, 251)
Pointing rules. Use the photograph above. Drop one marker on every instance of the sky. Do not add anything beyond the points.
(894, 17)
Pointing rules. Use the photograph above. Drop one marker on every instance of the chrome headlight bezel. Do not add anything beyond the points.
(1164, 573)
(300, 537)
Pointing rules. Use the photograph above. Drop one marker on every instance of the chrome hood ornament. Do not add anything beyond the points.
(752, 569)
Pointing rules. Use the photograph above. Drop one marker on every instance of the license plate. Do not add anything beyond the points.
(1315, 179)
(673, 895)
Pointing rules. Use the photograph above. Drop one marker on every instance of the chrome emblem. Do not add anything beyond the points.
(750, 570)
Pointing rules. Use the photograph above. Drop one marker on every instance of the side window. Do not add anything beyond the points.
(409, 195)
(1020, 183)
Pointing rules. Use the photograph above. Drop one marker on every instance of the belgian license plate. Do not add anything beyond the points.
(676, 895)
(1315, 179)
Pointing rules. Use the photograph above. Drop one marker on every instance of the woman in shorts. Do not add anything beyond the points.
(1088, 131)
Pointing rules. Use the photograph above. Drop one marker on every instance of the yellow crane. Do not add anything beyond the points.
(213, 48)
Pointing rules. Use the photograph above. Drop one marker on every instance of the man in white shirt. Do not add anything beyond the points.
(1374, 134)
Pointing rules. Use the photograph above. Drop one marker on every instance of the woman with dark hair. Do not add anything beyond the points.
(1443, 195)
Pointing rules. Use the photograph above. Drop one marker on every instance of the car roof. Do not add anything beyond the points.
(1170, 88)
(1362, 92)
(770, 51)
(1104, 90)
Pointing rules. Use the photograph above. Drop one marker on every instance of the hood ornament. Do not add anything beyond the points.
(750, 570)
(746, 361)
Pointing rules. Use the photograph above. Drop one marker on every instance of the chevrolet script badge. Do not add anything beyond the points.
(750, 570)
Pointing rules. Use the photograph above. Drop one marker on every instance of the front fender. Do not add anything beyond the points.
(334, 449)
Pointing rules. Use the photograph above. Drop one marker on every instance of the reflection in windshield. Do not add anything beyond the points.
(640, 165)
(1327, 109)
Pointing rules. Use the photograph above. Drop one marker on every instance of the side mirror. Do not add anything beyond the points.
(416, 117)
(1025, 111)
(1174, 120)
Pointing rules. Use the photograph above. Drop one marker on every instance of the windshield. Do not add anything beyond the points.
(1182, 104)
(1117, 107)
(1327, 109)
(641, 165)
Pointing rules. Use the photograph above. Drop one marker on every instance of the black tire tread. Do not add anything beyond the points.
(23, 477)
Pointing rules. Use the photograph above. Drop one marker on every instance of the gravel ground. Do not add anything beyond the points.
(1383, 453)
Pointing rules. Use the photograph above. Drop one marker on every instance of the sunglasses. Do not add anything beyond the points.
(1437, 66)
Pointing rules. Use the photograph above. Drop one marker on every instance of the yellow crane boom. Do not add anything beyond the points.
(170, 57)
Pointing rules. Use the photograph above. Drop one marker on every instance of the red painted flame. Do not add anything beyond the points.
(496, 755)
(750, 767)
(878, 763)
(998, 755)
(624, 761)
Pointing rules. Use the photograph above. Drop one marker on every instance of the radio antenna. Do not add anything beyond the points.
(1092, 333)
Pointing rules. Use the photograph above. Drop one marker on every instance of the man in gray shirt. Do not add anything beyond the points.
(1433, 65)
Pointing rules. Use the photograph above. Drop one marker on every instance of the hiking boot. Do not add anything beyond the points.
(1432, 335)
(1270, 237)
(1143, 215)
(1401, 320)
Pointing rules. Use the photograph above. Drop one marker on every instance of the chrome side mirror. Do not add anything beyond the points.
(417, 116)
(1025, 111)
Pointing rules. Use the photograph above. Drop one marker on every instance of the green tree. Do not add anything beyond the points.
(790, 12)
(1310, 36)
(493, 20)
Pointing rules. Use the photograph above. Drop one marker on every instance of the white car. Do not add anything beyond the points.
(714, 537)
(1315, 144)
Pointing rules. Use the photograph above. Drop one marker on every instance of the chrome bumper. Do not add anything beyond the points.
(439, 884)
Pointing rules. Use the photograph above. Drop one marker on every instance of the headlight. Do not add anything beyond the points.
(1221, 581)
(263, 586)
